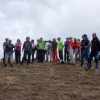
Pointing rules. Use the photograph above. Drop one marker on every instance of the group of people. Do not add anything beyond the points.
(74, 50)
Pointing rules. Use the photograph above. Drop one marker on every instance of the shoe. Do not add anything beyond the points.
(5, 65)
(11, 65)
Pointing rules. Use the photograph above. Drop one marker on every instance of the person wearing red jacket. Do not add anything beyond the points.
(75, 48)
(70, 51)
(78, 50)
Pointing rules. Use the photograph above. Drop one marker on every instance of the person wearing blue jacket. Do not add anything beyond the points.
(8, 53)
(86, 49)
(27, 47)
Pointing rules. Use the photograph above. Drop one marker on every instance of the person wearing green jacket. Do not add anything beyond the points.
(40, 46)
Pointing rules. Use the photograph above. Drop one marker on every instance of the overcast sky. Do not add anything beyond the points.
(48, 19)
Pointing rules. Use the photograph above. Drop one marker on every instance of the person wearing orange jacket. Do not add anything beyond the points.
(78, 50)
(54, 50)
(75, 48)
(70, 51)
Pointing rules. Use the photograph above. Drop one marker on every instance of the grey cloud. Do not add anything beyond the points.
(48, 18)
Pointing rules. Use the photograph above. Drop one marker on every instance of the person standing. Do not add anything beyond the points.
(54, 50)
(33, 50)
(49, 52)
(66, 49)
(75, 48)
(6, 42)
(41, 46)
(78, 50)
(45, 50)
(82, 44)
(60, 49)
(18, 51)
(8, 47)
(70, 51)
(95, 48)
(86, 49)
(27, 47)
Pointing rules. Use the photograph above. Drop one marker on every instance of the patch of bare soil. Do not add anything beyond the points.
(49, 81)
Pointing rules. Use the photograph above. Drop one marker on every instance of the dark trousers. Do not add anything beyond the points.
(66, 54)
(32, 56)
(61, 54)
(44, 53)
(40, 55)
(17, 56)
(24, 57)
(95, 55)
(85, 54)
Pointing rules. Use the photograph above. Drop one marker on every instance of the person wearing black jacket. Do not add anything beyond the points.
(95, 48)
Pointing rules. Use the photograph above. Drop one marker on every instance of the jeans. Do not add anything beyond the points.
(95, 55)
(85, 54)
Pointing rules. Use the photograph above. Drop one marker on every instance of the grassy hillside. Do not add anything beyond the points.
(48, 81)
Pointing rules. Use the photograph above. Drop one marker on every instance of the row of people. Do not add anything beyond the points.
(52, 49)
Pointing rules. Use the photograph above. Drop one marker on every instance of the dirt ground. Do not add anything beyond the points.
(49, 81)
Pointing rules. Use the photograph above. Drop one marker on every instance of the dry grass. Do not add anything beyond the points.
(48, 81)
